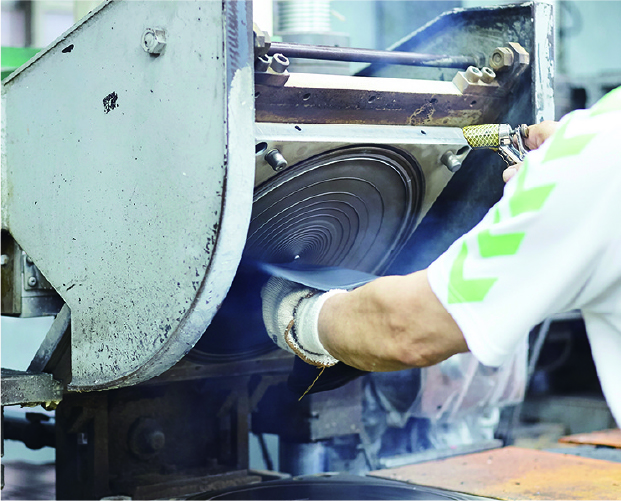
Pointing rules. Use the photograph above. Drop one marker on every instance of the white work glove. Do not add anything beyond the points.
(291, 313)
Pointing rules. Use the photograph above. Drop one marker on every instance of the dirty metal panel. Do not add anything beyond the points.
(543, 54)
(479, 31)
(607, 438)
(334, 99)
(23, 387)
(127, 178)
(514, 473)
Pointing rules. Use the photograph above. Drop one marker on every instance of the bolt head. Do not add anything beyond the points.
(276, 160)
(279, 63)
(32, 281)
(4, 260)
(154, 41)
(501, 59)
(473, 74)
(488, 75)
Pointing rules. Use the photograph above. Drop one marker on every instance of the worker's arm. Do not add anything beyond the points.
(389, 324)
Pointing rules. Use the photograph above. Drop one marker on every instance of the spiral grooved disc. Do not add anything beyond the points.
(350, 208)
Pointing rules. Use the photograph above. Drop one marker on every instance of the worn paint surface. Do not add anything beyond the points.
(121, 175)
(544, 67)
(607, 438)
(338, 99)
(515, 473)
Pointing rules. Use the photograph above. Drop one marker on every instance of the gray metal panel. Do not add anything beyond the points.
(19, 387)
(544, 67)
(128, 178)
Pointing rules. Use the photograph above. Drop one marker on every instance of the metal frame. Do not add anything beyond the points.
(138, 223)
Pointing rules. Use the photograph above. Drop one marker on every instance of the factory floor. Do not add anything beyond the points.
(24, 480)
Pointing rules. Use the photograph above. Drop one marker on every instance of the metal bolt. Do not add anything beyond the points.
(261, 63)
(488, 75)
(32, 281)
(154, 40)
(279, 63)
(276, 160)
(29, 260)
(155, 440)
(451, 161)
(4, 260)
(501, 59)
(473, 74)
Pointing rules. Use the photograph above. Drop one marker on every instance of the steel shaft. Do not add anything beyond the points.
(324, 52)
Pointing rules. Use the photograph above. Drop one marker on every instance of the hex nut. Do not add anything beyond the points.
(279, 63)
(154, 41)
(519, 53)
(488, 75)
(501, 59)
(473, 74)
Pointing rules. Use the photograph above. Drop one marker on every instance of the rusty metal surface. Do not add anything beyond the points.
(608, 438)
(514, 473)
(341, 99)
(22, 387)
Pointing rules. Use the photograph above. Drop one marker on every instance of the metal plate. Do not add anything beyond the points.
(608, 438)
(353, 193)
(514, 473)
(119, 170)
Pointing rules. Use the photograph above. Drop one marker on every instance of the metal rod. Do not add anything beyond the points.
(325, 52)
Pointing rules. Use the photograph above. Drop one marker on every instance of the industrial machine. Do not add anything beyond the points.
(157, 151)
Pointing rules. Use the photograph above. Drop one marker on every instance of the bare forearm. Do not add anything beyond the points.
(392, 323)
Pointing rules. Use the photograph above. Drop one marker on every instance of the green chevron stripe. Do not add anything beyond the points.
(498, 245)
(610, 102)
(461, 290)
(530, 200)
(561, 147)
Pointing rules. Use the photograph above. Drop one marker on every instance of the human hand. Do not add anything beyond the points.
(509, 172)
(290, 314)
(537, 134)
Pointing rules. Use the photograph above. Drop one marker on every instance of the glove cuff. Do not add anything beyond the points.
(302, 333)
